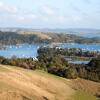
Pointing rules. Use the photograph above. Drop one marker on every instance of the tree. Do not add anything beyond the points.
(71, 73)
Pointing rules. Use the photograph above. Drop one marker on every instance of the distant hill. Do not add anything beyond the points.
(77, 31)
(38, 34)
(71, 30)
(57, 30)
(26, 36)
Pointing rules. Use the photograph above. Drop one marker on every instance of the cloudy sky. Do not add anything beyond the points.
(50, 13)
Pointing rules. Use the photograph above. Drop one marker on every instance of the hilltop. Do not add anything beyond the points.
(38, 34)
(22, 84)
(30, 37)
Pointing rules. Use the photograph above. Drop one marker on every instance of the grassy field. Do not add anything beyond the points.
(80, 95)
(22, 84)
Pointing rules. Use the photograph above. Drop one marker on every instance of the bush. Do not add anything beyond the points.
(71, 73)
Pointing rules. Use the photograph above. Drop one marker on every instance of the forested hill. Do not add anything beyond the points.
(21, 37)
(14, 38)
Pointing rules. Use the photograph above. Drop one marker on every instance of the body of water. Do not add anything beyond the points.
(79, 62)
(27, 50)
(24, 50)
(90, 47)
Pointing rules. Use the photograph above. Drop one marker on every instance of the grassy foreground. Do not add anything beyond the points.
(22, 84)
(80, 95)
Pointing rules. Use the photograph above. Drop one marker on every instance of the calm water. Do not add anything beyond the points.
(27, 50)
(89, 35)
(20, 51)
(79, 62)
(90, 47)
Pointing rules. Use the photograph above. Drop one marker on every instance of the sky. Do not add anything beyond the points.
(50, 13)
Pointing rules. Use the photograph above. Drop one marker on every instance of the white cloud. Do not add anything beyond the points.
(25, 18)
(7, 8)
(32, 16)
(61, 19)
(44, 18)
(87, 1)
(76, 18)
(1, 4)
(48, 10)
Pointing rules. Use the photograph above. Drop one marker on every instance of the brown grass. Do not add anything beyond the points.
(86, 86)
(39, 34)
(20, 83)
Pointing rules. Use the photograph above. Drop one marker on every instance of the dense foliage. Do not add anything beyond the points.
(94, 69)
(67, 52)
(54, 62)
(27, 63)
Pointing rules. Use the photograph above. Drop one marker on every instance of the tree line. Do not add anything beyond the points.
(55, 63)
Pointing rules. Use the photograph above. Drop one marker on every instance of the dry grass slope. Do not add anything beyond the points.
(86, 86)
(22, 84)
(39, 34)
